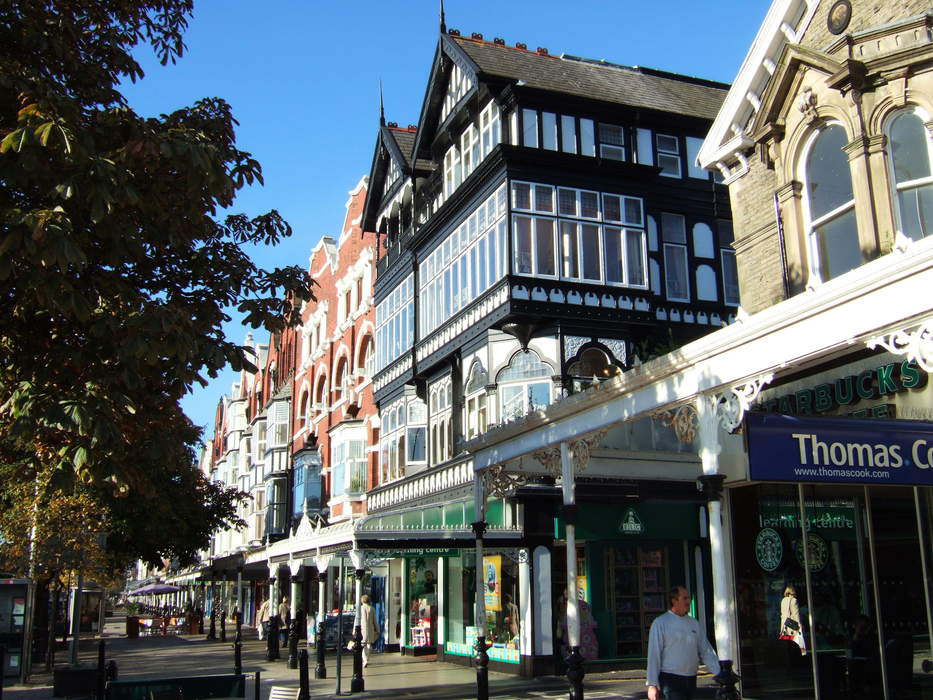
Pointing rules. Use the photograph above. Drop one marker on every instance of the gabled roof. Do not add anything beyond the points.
(397, 143)
(786, 22)
(494, 62)
(601, 80)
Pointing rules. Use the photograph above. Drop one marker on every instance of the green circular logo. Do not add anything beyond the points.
(817, 551)
(768, 549)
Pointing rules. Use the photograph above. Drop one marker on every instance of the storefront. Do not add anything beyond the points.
(628, 557)
(839, 520)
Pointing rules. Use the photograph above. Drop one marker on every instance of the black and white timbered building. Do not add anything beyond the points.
(545, 227)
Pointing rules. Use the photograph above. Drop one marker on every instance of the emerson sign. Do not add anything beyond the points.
(839, 450)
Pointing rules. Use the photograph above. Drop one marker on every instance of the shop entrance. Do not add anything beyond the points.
(859, 590)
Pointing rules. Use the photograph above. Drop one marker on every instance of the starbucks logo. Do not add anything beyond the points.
(817, 551)
(768, 549)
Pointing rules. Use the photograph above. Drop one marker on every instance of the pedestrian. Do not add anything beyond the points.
(285, 616)
(368, 626)
(676, 644)
(262, 618)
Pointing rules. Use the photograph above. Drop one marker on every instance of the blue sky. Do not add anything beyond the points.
(303, 79)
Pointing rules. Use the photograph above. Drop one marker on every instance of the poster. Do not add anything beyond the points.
(492, 575)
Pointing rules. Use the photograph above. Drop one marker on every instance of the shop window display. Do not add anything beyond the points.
(422, 602)
(500, 590)
(851, 627)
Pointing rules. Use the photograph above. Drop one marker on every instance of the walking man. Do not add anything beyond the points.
(369, 628)
(676, 643)
(262, 619)
(285, 617)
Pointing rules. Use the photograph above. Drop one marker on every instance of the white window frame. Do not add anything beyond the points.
(674, 156)
(917, 183)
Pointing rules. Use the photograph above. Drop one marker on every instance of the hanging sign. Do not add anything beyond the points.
(839, 450)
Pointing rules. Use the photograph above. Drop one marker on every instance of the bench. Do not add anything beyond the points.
(183, 688)
(281, 692)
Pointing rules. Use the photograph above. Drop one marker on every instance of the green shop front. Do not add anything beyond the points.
(629, 554)
(431, 559)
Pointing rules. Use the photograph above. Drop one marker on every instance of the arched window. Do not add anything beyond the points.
(303, 409)
(474, 418)
(524, 385)
(830, 205)
(911, 153)
(368, 358)
(593, 366)
(340, 379)
(320, 393)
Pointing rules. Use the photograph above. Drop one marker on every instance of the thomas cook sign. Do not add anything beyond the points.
(839, 450)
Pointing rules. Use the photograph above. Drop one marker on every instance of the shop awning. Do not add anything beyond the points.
(436, 525)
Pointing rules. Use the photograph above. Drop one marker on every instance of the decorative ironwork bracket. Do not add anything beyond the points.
(915, 344)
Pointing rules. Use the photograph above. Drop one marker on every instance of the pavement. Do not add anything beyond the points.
(388, 675)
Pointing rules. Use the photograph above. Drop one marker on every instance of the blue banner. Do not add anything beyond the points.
(839, 450)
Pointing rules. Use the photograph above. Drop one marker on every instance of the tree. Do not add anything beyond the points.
(116, 270)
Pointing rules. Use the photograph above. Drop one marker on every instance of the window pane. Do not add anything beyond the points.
(909, 149)
(549, 131)
(612, 207)
(670, 165)
(521, 195)
(589, 248)
(613, 254)
(635, 257)
(668, 144)
(417, 450)
(589, 205)
(673, 228)
(675, 272)
(544, 198)
(513, 401)
(645, 151)
(568, 134)
(587, 138)
(544, 247)
(530, 128)
(829, 184)
(566, 202)
(611, 142)
(524, 365)
(730, 278)
(916, 209)
(707, 289)
(633, 212)
(838, 246)
(522, 225)
(539, 395)
(693, 148)
(568, 242)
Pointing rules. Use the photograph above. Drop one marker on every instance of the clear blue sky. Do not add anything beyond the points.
(303, 79)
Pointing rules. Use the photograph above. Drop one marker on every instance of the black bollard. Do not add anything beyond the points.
(223, 625)
(482, 670)
(356, 683)
(112, 671)
(726, 678)
(320, 670)
(200, 621)
(257, 685)
(101, 669)
(272, 643)
(304, 691)
(293, 644)
(3, 667)
(575, 673)
(212, 630)
(238, 649)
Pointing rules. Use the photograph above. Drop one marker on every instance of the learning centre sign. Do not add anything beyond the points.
(839, 450)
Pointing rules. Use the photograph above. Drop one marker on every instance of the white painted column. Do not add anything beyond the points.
(724, 621)
(573, 602)
(321, 562)
(524, 603)
(294, 569)
(543, 602)
(441, 602)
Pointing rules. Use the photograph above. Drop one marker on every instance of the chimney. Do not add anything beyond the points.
(542, 51)
(521, 45)
(477, 35)
(453, 32)
(499, 41)
(393, 125)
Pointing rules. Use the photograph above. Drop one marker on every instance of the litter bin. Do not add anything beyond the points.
(132, 626)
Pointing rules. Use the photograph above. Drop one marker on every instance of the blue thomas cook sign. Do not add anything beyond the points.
(839, 450)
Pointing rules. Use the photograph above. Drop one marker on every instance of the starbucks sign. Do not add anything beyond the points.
(769, 550)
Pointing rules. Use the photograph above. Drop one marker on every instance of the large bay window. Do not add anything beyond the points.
(278, 425)
(469, 261)
(440, 405)
(524, 385)
(348, 465)
(395, 324)
(599, 237)
(911, 153)
(403, 440)
(829, 205)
